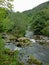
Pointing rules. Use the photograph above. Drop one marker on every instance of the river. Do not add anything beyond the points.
(39, 51)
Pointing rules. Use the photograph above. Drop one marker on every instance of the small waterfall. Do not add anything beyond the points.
(29, 34)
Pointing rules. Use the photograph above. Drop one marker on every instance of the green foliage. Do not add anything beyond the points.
(1, 44)
(38, 17)
(3, 15)
(33, 11)
(45, 31)
(47, 63)
(7, 57)
(38, 24)
(17, 24)
(6, 4)
(11, 22)
(40, 21)
(1, 27)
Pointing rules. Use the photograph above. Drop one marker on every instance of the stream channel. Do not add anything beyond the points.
(35, 49)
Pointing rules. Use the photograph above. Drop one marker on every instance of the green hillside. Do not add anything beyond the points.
(38, 8)
(39, 19)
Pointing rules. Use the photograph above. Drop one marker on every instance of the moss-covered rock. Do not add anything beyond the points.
(33, 60)
(23, 42)
(9, 52)
(47, 63)
(11, 37)
(23, 39)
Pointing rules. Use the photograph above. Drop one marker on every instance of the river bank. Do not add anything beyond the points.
(29, 47)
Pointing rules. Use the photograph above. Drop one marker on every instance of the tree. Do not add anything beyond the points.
(6, 4)
(45, 30)
(37, 25)
(3, 15)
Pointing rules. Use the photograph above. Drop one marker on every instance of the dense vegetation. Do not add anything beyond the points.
(16, 23)
(39, 19)
(40, 22)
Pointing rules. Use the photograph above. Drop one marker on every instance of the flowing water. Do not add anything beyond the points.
(29, 33)
(12, 46)
(38, 51)
(35, 49)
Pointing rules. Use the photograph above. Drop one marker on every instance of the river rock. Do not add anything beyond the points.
(33, 60)
(23, 42)
(4, 35)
